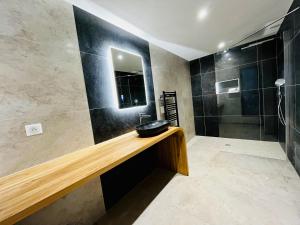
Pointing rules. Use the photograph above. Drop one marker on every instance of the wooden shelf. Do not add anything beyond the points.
(29, 190)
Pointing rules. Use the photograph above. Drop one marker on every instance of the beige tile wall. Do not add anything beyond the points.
(171, 73)
(41, 80)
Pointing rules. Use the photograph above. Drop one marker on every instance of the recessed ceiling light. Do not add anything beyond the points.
(221, 45)
(120, 57)
(202, 14)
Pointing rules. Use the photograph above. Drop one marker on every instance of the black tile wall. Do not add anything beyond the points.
(269, 99)
(95, 37)
(196, 85)
(289, 64)
(195, 67)
(212, 126)
(208, 81)
(268, 73)
(249, 114)
(267, 50)
(241, 127)
(269, 128)
(210, 105)
(207, 64)
(200, 125)
(249, 77)
(198, 106)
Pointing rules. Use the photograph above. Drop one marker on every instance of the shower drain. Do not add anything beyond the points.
(228, 145)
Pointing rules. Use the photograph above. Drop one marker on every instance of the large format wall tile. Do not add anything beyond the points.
(47, 22)
(195, 67)
(268, 73)
(171, 73)
(63, 133)
(41, 80)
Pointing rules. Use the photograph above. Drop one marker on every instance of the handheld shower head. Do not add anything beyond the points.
(280, 82)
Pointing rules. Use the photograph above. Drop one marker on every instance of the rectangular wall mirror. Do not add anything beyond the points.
(129, 77)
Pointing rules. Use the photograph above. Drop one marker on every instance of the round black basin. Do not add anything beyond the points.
(152, 128)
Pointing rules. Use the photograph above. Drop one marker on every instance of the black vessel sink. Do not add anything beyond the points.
(152, 128)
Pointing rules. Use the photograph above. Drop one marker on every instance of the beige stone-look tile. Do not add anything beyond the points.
(83, 206)
(48, 22)
(171, 73)
(63, 133)
(39, 79)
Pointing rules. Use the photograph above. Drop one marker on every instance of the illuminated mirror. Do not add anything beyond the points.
(129, 77)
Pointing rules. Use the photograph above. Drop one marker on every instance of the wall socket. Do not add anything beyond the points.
(33, 129)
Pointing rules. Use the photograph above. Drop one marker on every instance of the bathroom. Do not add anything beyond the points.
(220, 90)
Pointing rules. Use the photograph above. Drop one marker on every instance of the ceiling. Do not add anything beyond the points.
(173, 24)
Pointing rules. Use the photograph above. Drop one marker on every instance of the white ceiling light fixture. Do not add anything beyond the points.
(120, 57)
(221, 45)
(202, 14)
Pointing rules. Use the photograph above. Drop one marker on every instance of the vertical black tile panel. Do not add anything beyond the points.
(195, 67)
(249, 77)
(98, 80)
(241, 127)
(227, 74)
(207, 64)
(268, 73)
(229, 104)
(208, 81)
(250, 103)
(297, 107)
(229, 59)
(287, 28)
(280, 65)
(116, 182)
(198, 106)
(248, 55)
(281, 134)
(269, 128)
(210, 105)
(200, 126)
(290, 107)
(269, 99)
(289, 64)
(95, 37)
(196, 85)
(297, 58)
(212, 126)
(297, 19)
(267, 50)
(279, 44)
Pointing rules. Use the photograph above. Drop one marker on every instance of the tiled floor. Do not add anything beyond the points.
(231, 182)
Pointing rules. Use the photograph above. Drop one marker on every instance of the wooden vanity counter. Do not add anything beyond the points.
(29, 190)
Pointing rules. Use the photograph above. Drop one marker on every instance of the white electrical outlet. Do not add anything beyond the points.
(33, 129)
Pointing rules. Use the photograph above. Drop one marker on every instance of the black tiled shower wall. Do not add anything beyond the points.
(290, 65)
(95, 37)
(248, 114)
